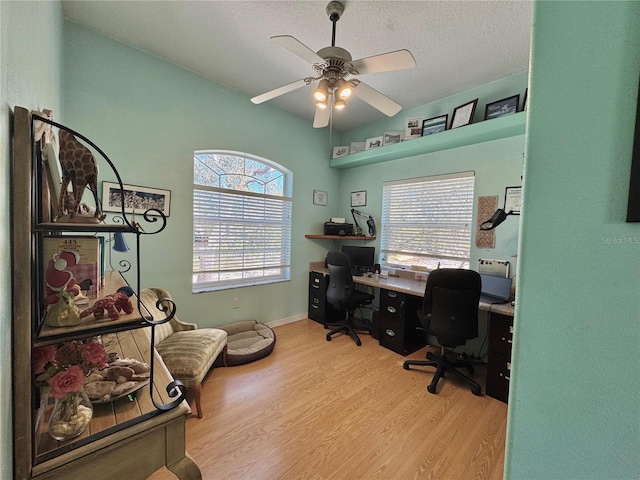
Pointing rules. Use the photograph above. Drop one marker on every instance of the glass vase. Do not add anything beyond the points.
(70, 416)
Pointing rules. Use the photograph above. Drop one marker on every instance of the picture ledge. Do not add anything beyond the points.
(485, 131)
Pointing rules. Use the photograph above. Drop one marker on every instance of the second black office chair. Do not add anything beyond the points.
(450, 312)
(342, 294)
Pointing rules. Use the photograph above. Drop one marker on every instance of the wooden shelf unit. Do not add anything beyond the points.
(152, 423)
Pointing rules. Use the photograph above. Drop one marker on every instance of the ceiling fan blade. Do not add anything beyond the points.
(376, 99)
(321, 118)
(385, 62)
(282, 90)
(300, 49)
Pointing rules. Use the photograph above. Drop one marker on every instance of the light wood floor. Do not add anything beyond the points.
(331, 410)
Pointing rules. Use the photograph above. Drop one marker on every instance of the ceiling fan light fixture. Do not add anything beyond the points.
(345, 89)
(339, 105)
(322, 92)
(321, 104)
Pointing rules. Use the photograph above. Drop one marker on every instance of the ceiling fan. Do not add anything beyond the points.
(334, 67)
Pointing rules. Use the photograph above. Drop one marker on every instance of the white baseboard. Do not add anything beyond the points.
(284, 321)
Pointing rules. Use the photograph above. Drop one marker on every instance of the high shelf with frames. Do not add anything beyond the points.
(152, 421)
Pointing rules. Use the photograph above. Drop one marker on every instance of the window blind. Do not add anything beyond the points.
(427, 221)
(240, 238)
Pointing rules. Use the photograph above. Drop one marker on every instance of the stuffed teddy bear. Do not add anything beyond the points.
(111, 304)
(58, 278)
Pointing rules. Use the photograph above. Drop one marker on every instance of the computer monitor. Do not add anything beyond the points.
(362, 258)
(495, 289)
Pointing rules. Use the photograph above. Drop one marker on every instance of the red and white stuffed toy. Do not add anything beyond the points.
(58, 278)
(112, 305)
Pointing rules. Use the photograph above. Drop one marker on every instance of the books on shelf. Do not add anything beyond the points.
(74, 259)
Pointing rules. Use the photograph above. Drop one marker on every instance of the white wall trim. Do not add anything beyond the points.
(284, 321)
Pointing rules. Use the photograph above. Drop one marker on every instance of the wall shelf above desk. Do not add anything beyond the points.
(341, 237)
(502, 127)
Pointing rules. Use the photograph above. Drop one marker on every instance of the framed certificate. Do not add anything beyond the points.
(359, 199)
(513, 200)
(320, 198)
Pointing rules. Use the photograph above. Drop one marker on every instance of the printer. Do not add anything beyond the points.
(335, 228)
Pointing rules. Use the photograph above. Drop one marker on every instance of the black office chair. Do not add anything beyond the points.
(450, 312)
(342, 294)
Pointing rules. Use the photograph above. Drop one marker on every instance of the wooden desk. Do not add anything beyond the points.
(399, 332)
(405, 284)
(135, 452)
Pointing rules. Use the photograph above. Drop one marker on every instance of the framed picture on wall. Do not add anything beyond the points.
(463, 115)
(359, 199)
(513, 200)
(320, 197)
(136, 199)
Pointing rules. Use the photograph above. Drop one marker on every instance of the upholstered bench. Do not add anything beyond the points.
(247, 342)
(188, 352)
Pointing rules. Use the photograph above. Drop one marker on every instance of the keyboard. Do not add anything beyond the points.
(356, 272)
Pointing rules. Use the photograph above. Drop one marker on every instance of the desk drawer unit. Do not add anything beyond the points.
(398, 325)
(319, 309)
(499, 366)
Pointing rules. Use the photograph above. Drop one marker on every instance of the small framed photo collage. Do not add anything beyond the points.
(416, 127)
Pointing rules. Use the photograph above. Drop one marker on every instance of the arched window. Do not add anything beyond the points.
(241, 220)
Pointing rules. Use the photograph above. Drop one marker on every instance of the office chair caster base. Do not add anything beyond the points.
(477, 391)
(328, 337)
(406, 366)
(431, 388)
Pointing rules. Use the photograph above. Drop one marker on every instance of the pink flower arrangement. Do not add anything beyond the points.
(64, 367)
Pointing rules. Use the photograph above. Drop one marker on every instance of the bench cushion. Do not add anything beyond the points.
(190, 354)
(247, 341)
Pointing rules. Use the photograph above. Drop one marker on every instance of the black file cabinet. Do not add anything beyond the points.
(499, 366)
(399, 328)
(319, 309)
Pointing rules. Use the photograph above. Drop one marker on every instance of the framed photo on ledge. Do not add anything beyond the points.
(435, 125)
(503, 107)
(463, 115)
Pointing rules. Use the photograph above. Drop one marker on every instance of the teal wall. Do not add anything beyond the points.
(573, 410)
(30, 62)
(149, 116)
(496, 164)
(573, 406)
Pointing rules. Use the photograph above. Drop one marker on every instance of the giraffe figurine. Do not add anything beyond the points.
(79, 168)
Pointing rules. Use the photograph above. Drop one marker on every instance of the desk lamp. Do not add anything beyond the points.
(496, 219)
(119, 245)
(370, 223)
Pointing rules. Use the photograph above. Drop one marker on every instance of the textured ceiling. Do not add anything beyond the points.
(457, 45)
